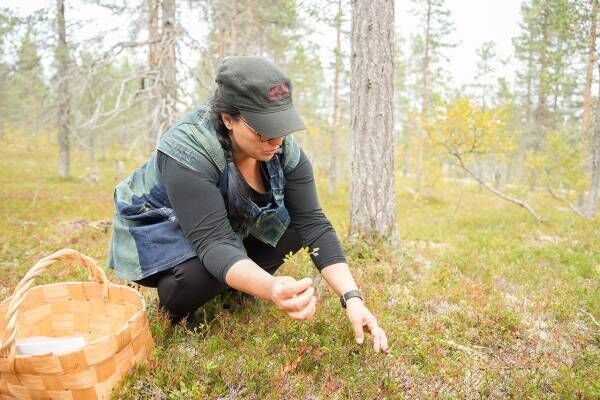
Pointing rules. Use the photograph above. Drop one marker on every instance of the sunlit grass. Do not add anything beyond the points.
(477, 298)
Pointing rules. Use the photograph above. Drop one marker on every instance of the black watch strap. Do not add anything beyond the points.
(348, 295)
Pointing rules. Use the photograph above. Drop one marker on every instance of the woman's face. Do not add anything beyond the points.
(246, 142)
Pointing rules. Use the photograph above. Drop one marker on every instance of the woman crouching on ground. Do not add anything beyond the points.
(226, 196)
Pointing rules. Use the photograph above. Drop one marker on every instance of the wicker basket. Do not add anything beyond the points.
(112, 318)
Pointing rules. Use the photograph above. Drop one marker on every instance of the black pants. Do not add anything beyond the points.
(189, 285)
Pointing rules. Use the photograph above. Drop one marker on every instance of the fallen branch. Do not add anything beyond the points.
(463, 348)
(498, 193)
(563, 200)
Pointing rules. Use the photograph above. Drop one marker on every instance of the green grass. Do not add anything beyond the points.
(478, 300)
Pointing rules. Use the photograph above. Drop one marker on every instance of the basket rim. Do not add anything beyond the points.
(142, 310)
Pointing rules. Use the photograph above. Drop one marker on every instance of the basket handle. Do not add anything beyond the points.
(20, 293)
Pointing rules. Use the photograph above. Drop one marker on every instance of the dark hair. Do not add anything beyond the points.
(239, 214)
(220, 105)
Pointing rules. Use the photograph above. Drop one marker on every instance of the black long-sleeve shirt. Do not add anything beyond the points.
(200, 209)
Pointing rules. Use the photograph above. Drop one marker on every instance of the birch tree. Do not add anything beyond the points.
(373, 203)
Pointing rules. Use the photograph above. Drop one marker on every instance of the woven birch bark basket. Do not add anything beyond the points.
(111, 318)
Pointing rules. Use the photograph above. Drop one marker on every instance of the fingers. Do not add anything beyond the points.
(379, 337)
(384, 343)
(296, 298)
(374, 329)
(307, 312)
(359, 334)
(293, 288)
(298, 303)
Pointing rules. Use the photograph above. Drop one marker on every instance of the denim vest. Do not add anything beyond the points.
(147, 237)
(268, 222)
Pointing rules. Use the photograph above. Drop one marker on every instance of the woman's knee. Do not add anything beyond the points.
(187, 287)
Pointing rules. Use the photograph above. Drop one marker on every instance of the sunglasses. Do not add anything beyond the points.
(261, 137)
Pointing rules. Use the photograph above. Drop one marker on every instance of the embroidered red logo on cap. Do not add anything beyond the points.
(279, 92)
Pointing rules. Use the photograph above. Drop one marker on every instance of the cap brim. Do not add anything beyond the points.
(275, 124)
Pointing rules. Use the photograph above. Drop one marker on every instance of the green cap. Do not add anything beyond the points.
(262, 93)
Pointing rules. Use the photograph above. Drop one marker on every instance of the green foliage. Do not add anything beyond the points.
(551, 46)
(436, 26)
(7, 24)
(562, 160)
(24, 105)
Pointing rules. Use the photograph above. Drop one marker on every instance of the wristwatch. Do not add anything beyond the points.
(348, 295)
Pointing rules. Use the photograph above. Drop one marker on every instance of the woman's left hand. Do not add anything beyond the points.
(359, 317)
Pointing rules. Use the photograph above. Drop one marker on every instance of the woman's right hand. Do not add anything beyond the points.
(296, 298)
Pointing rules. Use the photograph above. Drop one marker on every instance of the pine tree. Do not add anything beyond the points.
(549, 47)
(29, 91)
(589, 75)
(372, 94)
(430, 44)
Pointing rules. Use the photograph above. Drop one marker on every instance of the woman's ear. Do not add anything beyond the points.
(226, 120)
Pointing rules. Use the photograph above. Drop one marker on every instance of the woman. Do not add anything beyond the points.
(225, 197)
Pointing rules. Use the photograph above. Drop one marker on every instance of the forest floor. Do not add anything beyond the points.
(478, 300)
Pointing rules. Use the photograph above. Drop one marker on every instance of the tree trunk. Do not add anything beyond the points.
(424, 100)
(248, 29)
(373, 203)
(62, 58)
(151, 82)
(595, 183)
(591, 59)
(167, 67)
(335, 114)
(92, 144)
(222, 33)
(234, 27)
(529, 86)
(541, 109)
(541, 112)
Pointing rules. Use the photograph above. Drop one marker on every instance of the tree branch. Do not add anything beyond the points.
(498, 193)
(563, 200)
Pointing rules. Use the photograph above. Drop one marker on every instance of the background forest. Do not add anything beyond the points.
(480, 298)
(527, 119)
